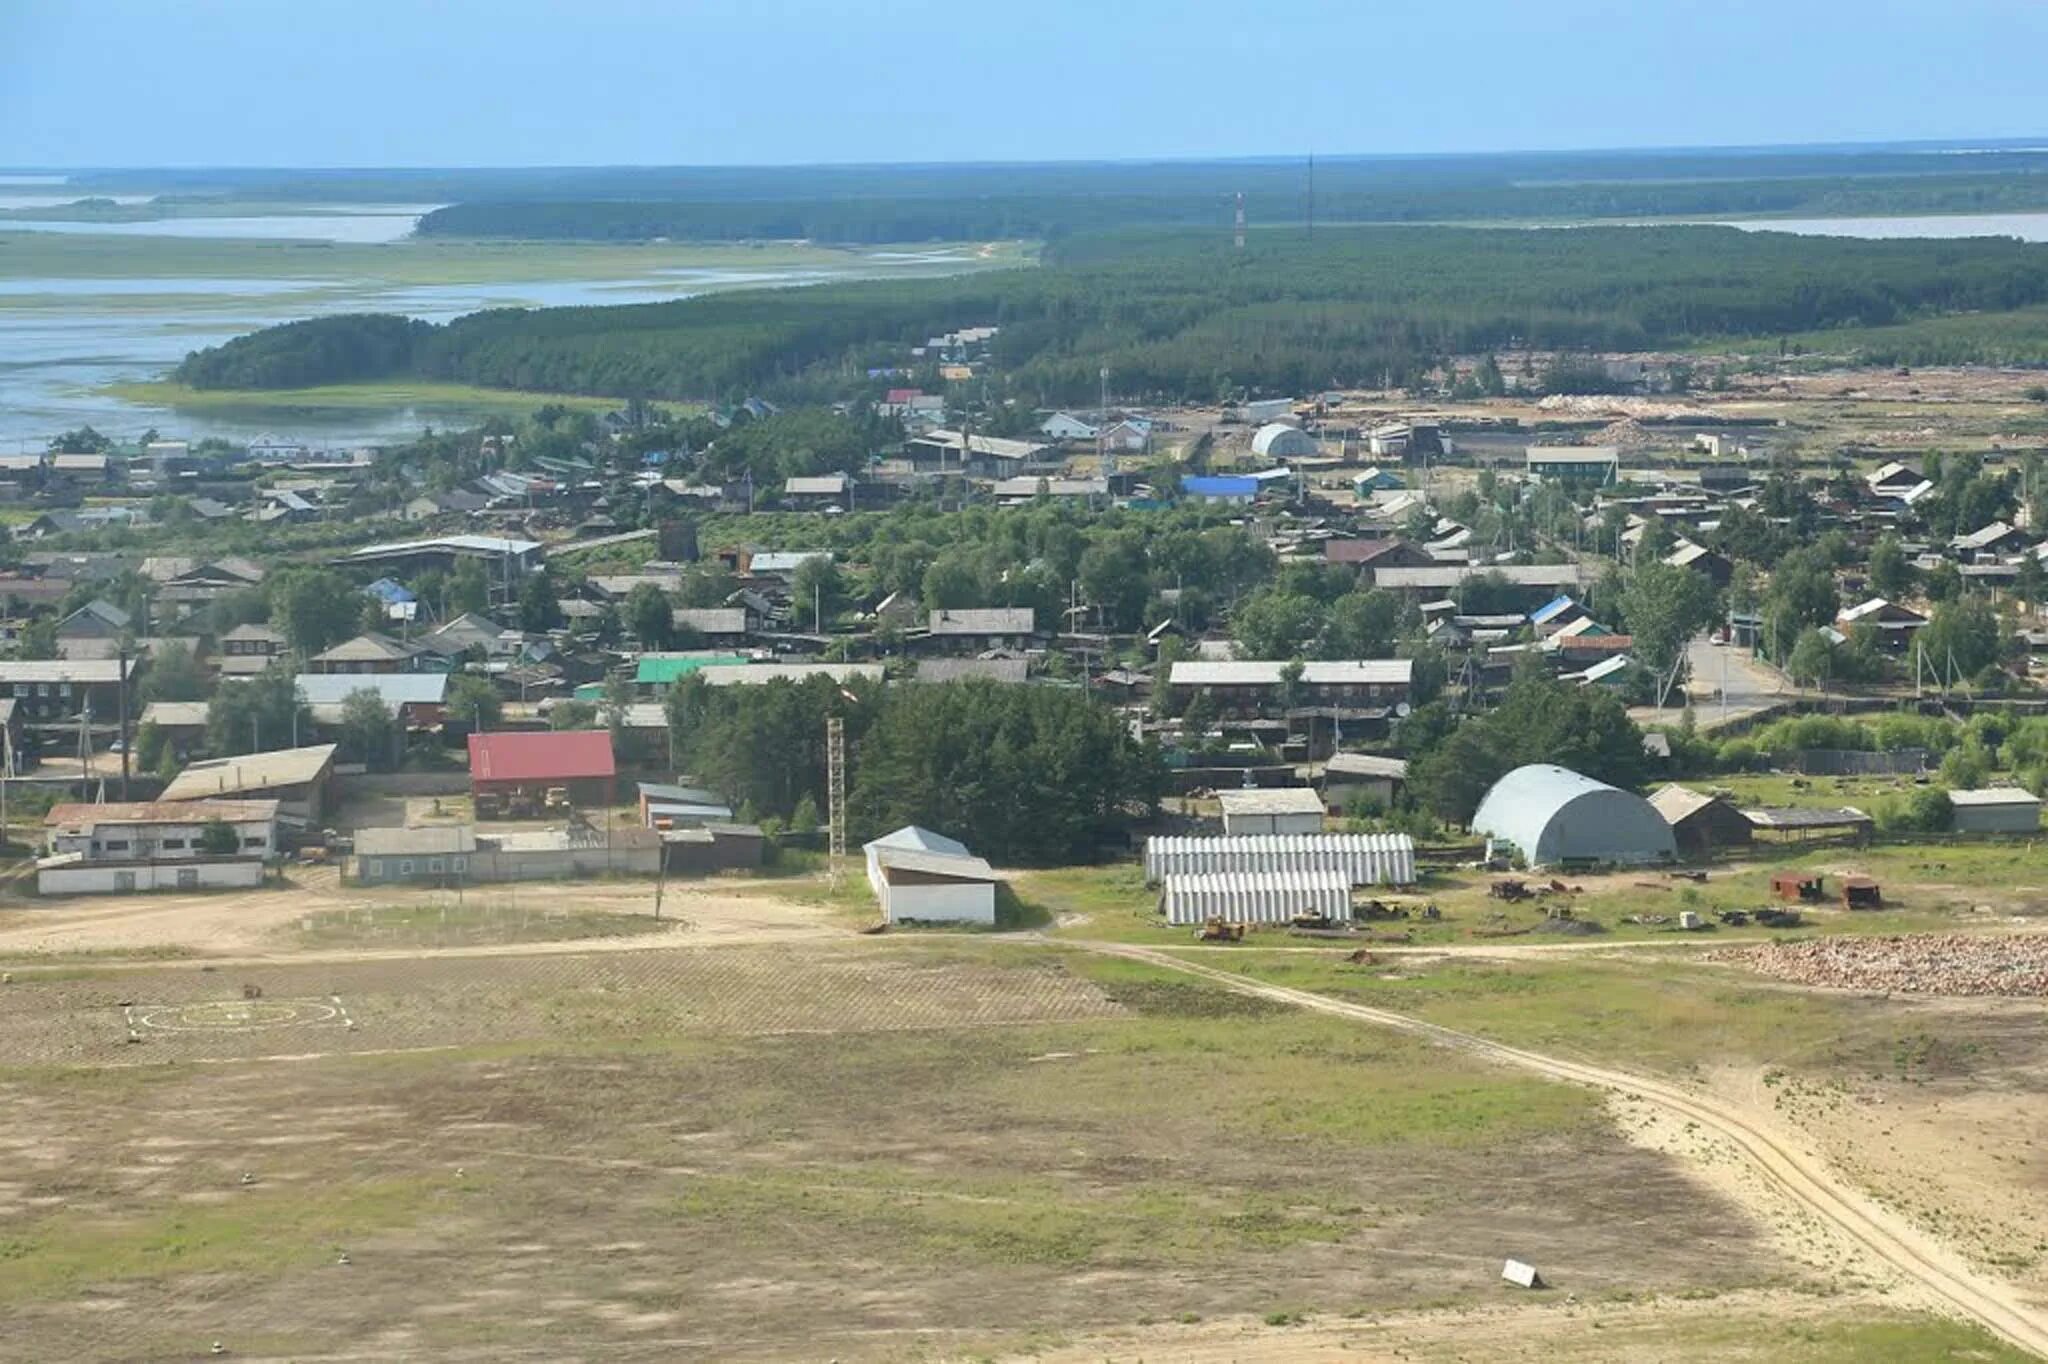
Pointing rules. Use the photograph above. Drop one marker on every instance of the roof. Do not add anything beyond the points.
(1994, 795)
(663, 791)
(446, 544)
(712, 620)
(1444, 576)
(439, 840)
(1551, 814)
(1219, 485)
(658, 669)
(955, 866)
(80, 818)
(1573, 454)
(562, 755)
(272, 771)
(261, 633)
(792, 672)
(1195, 672)
(1366, 765)
(1805, 817)
(916, 838)
(76, 670)
(1678, 803)
(992, 620)
(1556, 606)
(394, 689)
(1984, 536)
(995, 446)
(969, 669)
(1282, 800)
(369, 648)
(1027, 486)
(816, 485)
(783, 560)
(174, 714)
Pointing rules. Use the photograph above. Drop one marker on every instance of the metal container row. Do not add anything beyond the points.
(1367, 859)
(1257, 897)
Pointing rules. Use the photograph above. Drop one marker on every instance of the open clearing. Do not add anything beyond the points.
(872, 1150)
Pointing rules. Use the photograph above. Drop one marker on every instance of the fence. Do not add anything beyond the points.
(1850, 762)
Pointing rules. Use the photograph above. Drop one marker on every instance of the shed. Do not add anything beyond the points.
(924, 876)
(1996, 810)
(296, 778)
(507, 763)
(1550, 814)
(1349, 777)
(1700, 823)
(1289, 810)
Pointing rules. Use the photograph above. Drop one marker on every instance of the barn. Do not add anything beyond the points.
(513, 764)
(930, 878)
(1700, 823)
(1549, 815)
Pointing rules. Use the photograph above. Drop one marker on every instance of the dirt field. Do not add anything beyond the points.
(869, 1152)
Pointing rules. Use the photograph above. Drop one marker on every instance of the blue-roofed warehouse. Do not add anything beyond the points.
(1219, 488)
(1548, 815)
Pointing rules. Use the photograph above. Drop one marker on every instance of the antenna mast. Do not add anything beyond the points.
(1105, 453)
(1240, 220)
(835, 792)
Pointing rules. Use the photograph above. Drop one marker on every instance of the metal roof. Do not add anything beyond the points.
(1551, 814)
(565, 755)
(79, 818)
(1677, 803)
(275, 770)
(1447, 576)
(1283, 800)
(459, 544)
(433, 841)
(793, 672)
(990, 620)
(394, 689)
(1386, 672)
(1994, 795)
(1366, 765)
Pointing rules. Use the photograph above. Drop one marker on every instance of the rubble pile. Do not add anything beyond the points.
(1923, 964)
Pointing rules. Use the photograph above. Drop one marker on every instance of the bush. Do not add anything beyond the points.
(1740, 755)
(1926, 811)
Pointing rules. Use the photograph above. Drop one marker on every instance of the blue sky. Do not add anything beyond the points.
(527, 82)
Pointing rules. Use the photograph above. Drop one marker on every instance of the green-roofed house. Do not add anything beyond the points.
(652, 671)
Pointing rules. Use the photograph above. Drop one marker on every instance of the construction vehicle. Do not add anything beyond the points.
(1214, 929)
(556, 801)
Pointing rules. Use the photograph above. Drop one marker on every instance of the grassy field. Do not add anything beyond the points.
(823, 1152)
(465, 398)
(475, 920)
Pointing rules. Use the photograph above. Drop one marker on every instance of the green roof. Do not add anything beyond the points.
(662, 668)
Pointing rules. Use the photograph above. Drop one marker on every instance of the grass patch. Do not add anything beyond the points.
(471, 922)
(467, 398)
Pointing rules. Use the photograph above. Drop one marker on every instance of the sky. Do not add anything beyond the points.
(702, 82)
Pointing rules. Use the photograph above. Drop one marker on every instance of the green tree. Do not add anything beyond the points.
(472, 700)
(257, 714)
(469, 587)
(174, 675)
(817, 588)
(150, 744)
(217, 838)
(1961, 639)
(1812, 658)
(1664, 607)
(369, 732)
(539, 608)
(1274, 624)
(650, 616)
(1539, 720)
(313, 608)
(572, 715)
(1361, 624)
(1891, 573)
(1112, 573)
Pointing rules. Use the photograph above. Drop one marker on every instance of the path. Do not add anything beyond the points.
(1800, 1176)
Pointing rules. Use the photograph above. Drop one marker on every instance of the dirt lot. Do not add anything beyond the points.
(868, 1151)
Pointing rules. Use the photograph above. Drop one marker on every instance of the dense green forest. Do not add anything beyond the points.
(1181, 315)
(915, 218)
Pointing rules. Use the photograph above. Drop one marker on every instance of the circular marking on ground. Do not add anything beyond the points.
(238, 1015)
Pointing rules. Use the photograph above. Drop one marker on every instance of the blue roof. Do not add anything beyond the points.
(390, 591)
(1220, 486)
(1550, 608)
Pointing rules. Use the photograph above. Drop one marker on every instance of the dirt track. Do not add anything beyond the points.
(1801, 1177)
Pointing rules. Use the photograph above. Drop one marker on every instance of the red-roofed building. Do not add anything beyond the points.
(513, 764)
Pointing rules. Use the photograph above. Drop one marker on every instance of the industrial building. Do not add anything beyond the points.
(512, 766)
(1287, 810)
(1996, 810)
(1362, 859)
(456, 853)
(929, 878)
(1548, 815)
(1269, 897)
(155, 845)
(296, 778)
(1278, 440)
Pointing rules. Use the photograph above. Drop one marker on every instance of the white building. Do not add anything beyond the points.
(154, 845)
(1266, 409)
(1278, 440)
(1066, 426)
(1996, 810)
(930, 878)
(1288, 810)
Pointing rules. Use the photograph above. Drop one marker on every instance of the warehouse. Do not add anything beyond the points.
(1352, 777)
(1996, 810)
(156, 845)
(296, 778)
(1267, 897)
(929, 878)
(1363, 859)
(514, 767)
(1278, 440)
(1291, 810)
(1700, 823)
(1549, 815)
(452, 854)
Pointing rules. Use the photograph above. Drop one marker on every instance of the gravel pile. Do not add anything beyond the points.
(1929, 964)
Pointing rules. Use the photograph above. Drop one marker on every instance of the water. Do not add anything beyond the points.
(2028, 227)
(358, 225)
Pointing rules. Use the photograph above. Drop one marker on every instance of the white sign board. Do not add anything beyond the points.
(1521, 1275)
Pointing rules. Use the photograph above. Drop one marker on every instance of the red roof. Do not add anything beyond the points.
(570, 755)
(904, 395)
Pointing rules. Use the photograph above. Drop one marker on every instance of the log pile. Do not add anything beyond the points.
(1921, 964)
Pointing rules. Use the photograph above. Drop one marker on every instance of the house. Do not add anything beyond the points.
(1996, 810)
(470, 633)
(1285, 810)
(1989, 541)
(942, 670)
(1402, 439)
(504, 558)
(1440, 579)
(1349, 778)
(1368, 556)
(455, 502)
(1066, 426)
(296, 778)
(193, 585)
(415, 699)
(370, 654)
(1895, 624)
(1700, 823)
(1700, 559)
(1232, 490)
(156, 845)
(1376, 480)
(714, 848)
(819, 492)
(1279, 440)
(923, 877)
(1549, 815)
(248, 649)
(1263, 410)
(1247, 686)
(1556, 614)
(269, 449)
(720, 625)
(1583, 464)
(182, 723)
(754, 674)
(1894, 479)
(1011, 491)
(97, 619)
(1000, 627)
(658, 671)
(506, 765)
(53, 690)
(1131, 436)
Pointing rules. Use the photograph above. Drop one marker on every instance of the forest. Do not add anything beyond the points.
(1180, 315)
(873, 220)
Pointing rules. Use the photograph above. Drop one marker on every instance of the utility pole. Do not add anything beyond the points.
(121, 690)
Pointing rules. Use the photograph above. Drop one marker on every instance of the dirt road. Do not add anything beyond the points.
(1800, 1176)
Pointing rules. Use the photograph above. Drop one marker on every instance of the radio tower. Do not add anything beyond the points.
(1105, 453)
(835, 792)
(1240, 220)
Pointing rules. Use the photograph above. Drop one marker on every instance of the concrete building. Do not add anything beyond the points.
(155, 845)
(924, 877)
(296, 778)
(1285, 810)
(1548, 815)
(513, 763)
(1996, 810)
(1278, 440)
(451, 854)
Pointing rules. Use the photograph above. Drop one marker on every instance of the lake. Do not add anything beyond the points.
(2028, 227)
